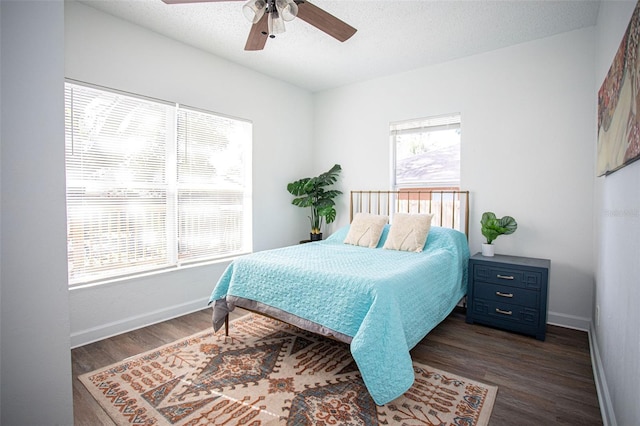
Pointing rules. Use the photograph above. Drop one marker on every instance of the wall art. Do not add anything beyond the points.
(619, 105)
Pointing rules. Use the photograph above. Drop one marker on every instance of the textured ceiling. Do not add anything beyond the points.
(393, 35)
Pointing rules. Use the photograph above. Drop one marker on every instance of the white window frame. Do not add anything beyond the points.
(243, 238)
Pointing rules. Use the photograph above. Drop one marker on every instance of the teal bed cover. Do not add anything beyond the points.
(385, 300)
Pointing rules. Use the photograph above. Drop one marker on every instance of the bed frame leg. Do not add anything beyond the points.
(226, 325)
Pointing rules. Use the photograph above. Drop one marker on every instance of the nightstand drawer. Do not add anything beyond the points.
(507, 276)
(504, 312)
(503, 294)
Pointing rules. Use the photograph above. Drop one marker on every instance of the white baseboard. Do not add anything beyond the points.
(604, 399)
(569, 321)
(585, 324)
(114, 328)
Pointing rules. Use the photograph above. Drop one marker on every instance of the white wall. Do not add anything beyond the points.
(108, 51)
(0, 217)
(527, 144)
(36, 363)
(617, 251)
(528, 116)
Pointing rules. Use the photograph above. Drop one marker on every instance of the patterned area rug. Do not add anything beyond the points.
(271, 373)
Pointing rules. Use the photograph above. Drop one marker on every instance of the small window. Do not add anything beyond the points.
(426, 153)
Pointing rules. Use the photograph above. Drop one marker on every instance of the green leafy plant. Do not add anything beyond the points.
(492, 227)
(313, 193)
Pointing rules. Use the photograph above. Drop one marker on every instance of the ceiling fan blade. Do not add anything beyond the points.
(325, 21)
(258, 35)
(194, 1)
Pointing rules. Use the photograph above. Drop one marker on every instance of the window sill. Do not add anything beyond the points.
(142, 275)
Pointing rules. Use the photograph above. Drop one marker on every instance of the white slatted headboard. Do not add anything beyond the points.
(450, 208)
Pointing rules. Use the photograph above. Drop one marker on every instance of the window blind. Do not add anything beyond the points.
(151, 185)
(214, 204)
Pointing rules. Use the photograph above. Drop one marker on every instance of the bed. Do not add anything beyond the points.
(381, 301)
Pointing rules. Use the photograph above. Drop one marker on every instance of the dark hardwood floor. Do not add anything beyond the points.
(539, 383)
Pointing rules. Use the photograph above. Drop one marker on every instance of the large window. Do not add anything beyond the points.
(426, 153)
(152, 185)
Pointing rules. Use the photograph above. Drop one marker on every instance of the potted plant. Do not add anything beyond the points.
(492, 228)
(313, 193)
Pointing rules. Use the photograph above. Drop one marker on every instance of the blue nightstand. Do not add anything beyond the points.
(509, 292)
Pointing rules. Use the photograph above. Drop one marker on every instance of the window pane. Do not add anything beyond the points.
(116, 189)
(432, 157)
(211, 149)
(427, 152)
(211, 223)
(112, 235)
(212, 185)
(114, 138)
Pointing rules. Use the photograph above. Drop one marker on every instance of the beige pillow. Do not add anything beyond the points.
(408, 232)
(366, 229)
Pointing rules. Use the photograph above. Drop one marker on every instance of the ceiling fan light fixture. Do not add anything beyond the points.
(275, 23)
(253, 10)
(287, 9)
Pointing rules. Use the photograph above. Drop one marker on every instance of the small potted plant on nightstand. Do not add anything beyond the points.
(492, 228)
(312, 193)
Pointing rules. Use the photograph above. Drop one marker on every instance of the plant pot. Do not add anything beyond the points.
(315, 237)
(488, 250)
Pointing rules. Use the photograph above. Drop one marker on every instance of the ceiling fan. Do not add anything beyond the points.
(268, 18)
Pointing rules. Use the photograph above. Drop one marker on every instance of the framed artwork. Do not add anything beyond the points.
(619, 105)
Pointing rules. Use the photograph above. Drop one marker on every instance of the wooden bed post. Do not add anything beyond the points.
(226, 325)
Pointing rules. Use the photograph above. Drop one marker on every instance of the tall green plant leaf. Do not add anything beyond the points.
(311, 192)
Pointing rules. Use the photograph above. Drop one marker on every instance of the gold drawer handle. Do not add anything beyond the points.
(498, 293)
(500, 311)
(505, 277)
